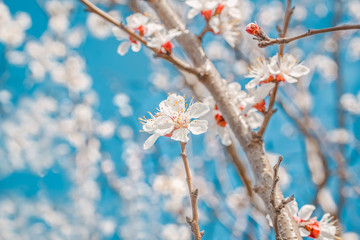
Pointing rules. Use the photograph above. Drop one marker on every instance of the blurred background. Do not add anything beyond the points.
(72, 165)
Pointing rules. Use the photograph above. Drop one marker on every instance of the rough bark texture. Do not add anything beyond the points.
(253, 147)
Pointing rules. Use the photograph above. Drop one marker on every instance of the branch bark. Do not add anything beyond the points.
(194, 222)
(168, 57)
(252, 146)
(282, 33)
(310, 32)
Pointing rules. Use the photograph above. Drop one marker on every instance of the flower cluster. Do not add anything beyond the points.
(311, 227)
(223, 17)
(250, 106)
(142, 25)
(280, 69)
(174, 120)
(12, 30)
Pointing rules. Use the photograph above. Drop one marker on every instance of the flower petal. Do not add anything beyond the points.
(293, 208)
(192, 13)
(123, 48)
(306, 211)
(180, 135)
(224, 134)
(198, 109)
(119, 34)
(150, 141)
(164, 125)
(299, 70)
(289, 78)
(273, 66)
(174, 104)
(304, 232)
(198, 126)
(136, 46)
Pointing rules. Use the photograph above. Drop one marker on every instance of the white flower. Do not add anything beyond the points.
(259, 72)
(287, 68)
(244, 103)
(161, 40)
(310, 227)
(140, 24)
(174, 120)
(201, 6)
(217, 122)
(226, 25)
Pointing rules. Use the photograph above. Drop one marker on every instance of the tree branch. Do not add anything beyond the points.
(282, 204)
(310, 32)
(253, 148)
(168, 57)
(282, 33)
(194, 222)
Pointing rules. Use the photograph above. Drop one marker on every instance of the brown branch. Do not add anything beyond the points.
(194, 222)
(282, 204)
(231, 151)
(310, 32)
(254, 149)
(168, 57)
(268, 113)
(288, 12)
(206, 29)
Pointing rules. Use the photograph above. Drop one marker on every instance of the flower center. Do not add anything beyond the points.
(220, 120)
(207, 14)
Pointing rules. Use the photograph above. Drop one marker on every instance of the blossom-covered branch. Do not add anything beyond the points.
(310, 32)
(288, 12)
(158, 53)
(253, 149)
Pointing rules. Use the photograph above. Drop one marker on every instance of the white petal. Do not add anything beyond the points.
(262, 91)
(150, 141)
(174, 104)
(289, 79)
(180, 135)
(119, 34)
(299, 70)
(123, 48)
(293, 208)
(198, 126)
(136, 46)
(304, 232)
(192, 13)
(273, 66)
(254, 119)
(194, 4)
(164, 125)
(136, 20)
(214, 24)
(306, 211)
(197, 110)
(224, 134)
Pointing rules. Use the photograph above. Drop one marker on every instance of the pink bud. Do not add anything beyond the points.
(253, 29)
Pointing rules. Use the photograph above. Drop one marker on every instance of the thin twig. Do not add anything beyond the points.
(310, 32)
(206, 29)
(194, 222)
(231, 150)
(168, 57)
(282, 204)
